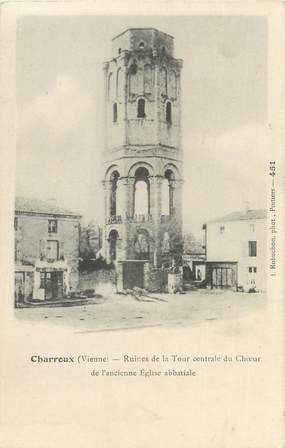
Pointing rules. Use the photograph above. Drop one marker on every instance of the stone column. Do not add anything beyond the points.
(123, 186)
(155, 194)
(130, 196)
(106, 73)
(125, 97)
(177, 203)
(157, 99)
(105, 244)
(177, 186)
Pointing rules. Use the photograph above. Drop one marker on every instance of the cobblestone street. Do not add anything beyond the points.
(118, 312)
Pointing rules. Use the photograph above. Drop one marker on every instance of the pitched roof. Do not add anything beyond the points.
(241, 216)
(29, 205)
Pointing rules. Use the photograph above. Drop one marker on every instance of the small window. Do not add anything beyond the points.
(163, 50)
(168, 112)
(252, 249)
(119, 50)
(252, 269)
(52, 226)
(115, 112)
(252, 228)
(141, 108)
(141, 45)
(16, 223)
(222, 229)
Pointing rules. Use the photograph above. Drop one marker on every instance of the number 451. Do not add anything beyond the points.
(272, 168)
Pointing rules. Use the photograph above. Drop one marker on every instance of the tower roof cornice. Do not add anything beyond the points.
(142, 29)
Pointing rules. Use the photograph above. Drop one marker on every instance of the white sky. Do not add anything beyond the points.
(60, 120)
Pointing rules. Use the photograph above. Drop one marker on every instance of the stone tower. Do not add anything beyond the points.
(142, 152)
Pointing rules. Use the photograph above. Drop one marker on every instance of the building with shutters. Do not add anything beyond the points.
(142, 157)
(236, 250)
(46, 250)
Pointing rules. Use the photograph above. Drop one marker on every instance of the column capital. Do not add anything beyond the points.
(156, 179)
(131, 180)
(124, 180)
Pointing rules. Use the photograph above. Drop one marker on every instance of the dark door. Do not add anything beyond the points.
(133, 274)
(53, 285)
(48, 285)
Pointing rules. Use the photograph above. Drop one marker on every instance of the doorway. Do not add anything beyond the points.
(52, 282)
(133, 274)
(222, 277)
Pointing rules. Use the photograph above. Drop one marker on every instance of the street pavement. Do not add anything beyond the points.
(115, 312)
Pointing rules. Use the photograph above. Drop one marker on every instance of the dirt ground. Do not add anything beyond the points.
(119, 312)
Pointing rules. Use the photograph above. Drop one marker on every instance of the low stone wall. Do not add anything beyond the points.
(89, 280)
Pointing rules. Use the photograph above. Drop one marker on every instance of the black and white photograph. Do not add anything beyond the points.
(146, 229)
(140, 169)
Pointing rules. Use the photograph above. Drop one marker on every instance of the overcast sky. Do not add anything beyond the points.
(60, 104)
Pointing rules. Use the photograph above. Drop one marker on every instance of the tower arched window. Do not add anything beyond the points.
(113, 239)
(113, 193)
(141, 192)
(167, 206)
(141, 108)
(115, 112)
(168, 112)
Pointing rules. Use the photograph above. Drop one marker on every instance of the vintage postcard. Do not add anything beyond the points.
(142, 225)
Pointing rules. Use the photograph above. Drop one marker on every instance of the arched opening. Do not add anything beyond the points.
(115, 112)
(141, 45)
(167, 194)
(141, 192)
(168, 112)
(113, 239)
(142, 245)
(165, 197)
(133, 78)
(113, 192)
(141, 108)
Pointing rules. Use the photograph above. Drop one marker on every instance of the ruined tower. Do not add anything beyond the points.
(142, 153)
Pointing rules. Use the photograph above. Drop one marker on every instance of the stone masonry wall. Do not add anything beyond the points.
(32, 235)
